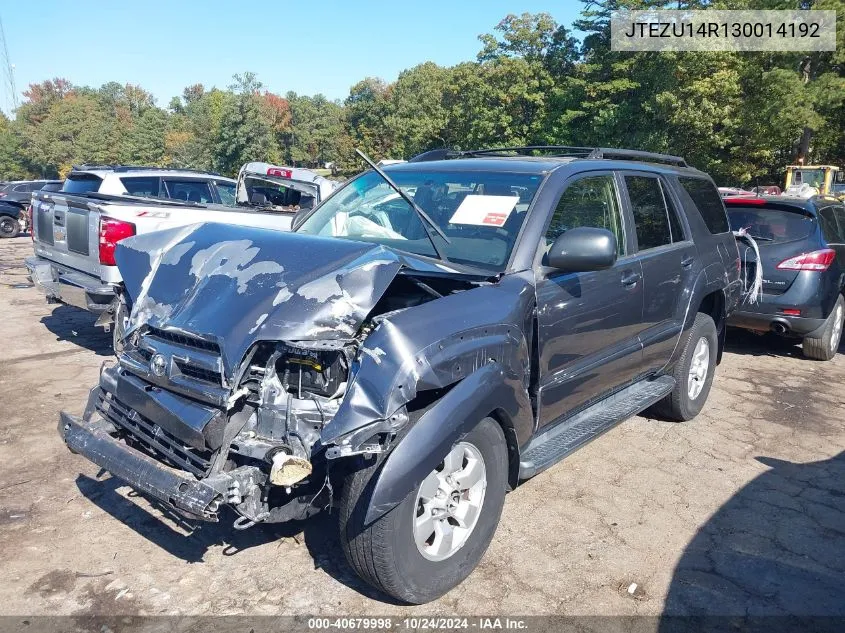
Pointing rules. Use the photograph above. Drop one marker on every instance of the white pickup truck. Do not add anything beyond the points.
(74, 231)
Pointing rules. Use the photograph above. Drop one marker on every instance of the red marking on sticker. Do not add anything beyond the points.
(141, 214)
(495, 219)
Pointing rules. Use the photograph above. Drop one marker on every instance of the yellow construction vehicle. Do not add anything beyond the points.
(812, 180)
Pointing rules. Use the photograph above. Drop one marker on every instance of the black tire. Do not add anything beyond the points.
(121, 315)
(678, 405)
(826, 347)
(384, 553)
(9, 226)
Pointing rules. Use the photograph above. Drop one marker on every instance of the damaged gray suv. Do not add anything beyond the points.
(427, 338)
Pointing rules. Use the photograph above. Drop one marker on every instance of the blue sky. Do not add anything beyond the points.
(308, 47)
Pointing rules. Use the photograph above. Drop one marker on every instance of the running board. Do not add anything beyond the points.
(561, 439)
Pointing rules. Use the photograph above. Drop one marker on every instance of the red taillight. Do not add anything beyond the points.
(29, 221)
(817, 260)
(791, 312)
(279, 173)
(111, 232)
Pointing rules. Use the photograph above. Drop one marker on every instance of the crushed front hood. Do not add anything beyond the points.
(237, 285)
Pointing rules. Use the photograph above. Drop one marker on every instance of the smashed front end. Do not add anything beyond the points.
(165, 420)
(255, 361)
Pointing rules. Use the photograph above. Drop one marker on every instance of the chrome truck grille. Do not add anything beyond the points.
(183, 364)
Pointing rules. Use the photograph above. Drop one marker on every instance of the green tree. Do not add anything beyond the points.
(246, 132)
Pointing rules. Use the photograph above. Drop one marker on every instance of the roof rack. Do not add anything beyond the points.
(127, 168)
(554, 151)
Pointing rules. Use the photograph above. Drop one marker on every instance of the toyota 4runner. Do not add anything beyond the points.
(424, 340)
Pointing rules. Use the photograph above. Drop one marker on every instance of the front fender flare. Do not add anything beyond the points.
(429, 440)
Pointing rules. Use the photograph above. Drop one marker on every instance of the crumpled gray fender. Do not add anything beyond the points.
(436, 345)
(488, 389)
(476, 343)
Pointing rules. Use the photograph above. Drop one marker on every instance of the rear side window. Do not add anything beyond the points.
(227, 193)
(81, 183)
(710, 206)
(651, 216)
(771, 225)
(190, 190)
(139, 186)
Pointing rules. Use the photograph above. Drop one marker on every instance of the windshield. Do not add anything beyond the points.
(812, 177)
(480, 212)
(771, 225)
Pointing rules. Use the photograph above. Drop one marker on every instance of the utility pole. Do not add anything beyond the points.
(8, 68)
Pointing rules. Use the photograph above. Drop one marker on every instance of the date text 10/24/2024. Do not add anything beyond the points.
(418, 623)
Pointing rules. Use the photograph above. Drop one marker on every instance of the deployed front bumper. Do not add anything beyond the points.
(70, 286)
(178, 489)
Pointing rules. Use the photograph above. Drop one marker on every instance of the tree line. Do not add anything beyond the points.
(739, 116)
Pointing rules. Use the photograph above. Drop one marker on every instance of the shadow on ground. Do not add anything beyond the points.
(77, 326)
(772, 558)
(190, 540)
(747, 342)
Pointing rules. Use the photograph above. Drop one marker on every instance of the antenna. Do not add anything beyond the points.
(8, 67)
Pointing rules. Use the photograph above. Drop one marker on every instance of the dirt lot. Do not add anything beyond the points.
(739, 511)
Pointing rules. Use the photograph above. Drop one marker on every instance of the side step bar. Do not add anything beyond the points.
(552, 445)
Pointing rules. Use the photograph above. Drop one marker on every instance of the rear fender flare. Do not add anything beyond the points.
(429, 440)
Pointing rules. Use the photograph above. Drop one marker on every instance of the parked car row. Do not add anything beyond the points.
(421, 339)
(15, 197)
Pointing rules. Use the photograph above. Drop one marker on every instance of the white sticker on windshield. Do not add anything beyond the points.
(484, 210)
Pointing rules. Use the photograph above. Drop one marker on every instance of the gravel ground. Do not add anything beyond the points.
(740, 511)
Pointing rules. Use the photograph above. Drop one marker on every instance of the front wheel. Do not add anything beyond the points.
(436, 536)
(825, 348)
(9, 226)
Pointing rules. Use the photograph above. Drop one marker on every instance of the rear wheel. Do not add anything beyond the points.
(436, 536)
(693, 372)
(9, 226)
(825, 347)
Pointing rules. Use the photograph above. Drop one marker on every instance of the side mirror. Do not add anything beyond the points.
(583, 249)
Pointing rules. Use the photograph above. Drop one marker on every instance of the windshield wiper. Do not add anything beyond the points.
(427, 222)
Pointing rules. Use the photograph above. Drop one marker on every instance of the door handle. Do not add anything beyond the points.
(630, 279)
(686, 262)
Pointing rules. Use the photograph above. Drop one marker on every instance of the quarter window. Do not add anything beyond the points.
(651, 217)
(706, 198)
(590, 201)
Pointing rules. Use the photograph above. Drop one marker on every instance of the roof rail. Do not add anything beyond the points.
(127, 168)
(553, 151)
(634, 154)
